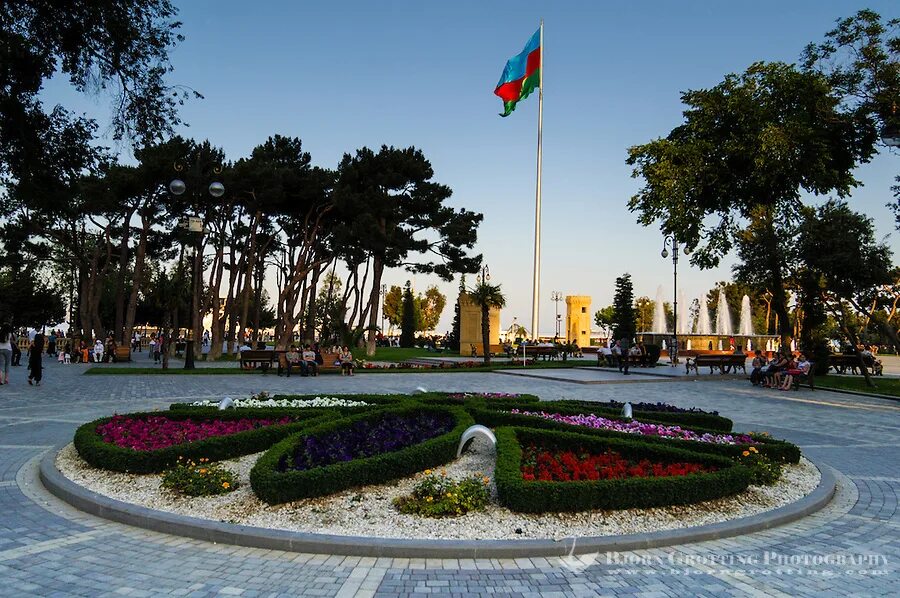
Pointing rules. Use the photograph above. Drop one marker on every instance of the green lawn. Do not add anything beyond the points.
(178, 370)
(883, 386)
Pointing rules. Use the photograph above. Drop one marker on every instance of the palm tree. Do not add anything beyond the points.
(487, 296)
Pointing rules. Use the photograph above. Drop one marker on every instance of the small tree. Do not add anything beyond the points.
(487, 296)
(453, 341)
(408, 323)
(623, 324)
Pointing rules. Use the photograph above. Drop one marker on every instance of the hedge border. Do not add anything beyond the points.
(275, 487)
(104, 455)
(777, 450)
(520, 495)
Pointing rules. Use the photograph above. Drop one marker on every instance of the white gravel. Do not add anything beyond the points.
(368, 511)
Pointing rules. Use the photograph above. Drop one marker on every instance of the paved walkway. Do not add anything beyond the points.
(851, 548)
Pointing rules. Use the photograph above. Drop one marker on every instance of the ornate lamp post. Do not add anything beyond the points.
(890, 134)
(383, 293)
(485, 275)
(194, 225)
(672, 241)
(556, 297)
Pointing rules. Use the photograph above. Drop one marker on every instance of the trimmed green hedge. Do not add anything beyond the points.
(276, 487)
(104, 455)
(541, 496)
(777, 450)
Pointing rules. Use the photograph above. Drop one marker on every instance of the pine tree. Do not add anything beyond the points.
(453, 341)
(623, 324)
(408, 324)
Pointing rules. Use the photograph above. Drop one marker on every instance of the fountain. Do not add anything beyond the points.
(681, 324)
(703, 326)
(723, 316)
(745, 328)
(659, 313)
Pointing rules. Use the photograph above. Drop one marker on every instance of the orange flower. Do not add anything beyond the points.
(202, 470)
(226, 485)
(746, 453)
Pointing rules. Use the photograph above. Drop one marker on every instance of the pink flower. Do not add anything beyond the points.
(154, 433)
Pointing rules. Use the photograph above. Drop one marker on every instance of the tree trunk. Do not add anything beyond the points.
(885, 326)
(138, 281)
(377, 271)
(119, 329)
(850, 331)
(486, 333)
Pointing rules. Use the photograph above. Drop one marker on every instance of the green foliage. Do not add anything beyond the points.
(540, 496)
(624, 320)
(605, 316)
(104, 455)
(27, 301)
(199, 478)
(438, 496)
(763, 471)
(276, 487)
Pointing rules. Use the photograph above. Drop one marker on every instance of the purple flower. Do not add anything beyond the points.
(636, 427)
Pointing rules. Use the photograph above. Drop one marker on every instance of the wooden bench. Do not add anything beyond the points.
(253, 358)
(808, 379)
(122, 354)
(535, 351)
(328, 360)
(613, 360)
(724, 363)
(843, 362)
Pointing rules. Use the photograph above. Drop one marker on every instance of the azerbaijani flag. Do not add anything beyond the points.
(521, 75)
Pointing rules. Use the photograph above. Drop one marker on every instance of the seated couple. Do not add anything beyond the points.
(306, 361)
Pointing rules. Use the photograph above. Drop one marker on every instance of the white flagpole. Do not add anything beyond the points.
(535, 298)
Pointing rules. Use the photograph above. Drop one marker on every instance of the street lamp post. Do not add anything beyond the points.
(556, 297)
(890, 133)
(194, 225)
(672, 241)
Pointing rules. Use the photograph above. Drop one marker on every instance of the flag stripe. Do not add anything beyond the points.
(525, 87)
(510, 90)
(517, 66)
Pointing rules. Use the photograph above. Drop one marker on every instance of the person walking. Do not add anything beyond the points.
(16, 351)
(5, 353)
(624, 346)
(35, 363)
(51, 344)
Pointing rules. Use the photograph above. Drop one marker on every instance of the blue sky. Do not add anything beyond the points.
(341, 75)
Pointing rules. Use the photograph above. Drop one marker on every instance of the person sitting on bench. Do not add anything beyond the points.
(346, 359)
(292, 358)
(309, 362)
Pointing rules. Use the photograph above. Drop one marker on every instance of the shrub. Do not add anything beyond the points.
(93, 449)
(763, 471)
(519, 494)
(200, 478)
(275, 486)
(438, 496)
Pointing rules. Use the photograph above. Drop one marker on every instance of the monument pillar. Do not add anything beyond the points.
(578, 320)
(470, 327)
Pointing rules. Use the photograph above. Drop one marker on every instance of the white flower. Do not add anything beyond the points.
(293, 403)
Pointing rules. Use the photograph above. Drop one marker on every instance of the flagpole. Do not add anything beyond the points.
(535, 298)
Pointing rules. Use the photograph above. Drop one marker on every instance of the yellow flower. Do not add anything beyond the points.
(486, 480)
(427, 472)
(226, 485)
(428, 499)
(746, 453)
(753, 449)
(202, 470)
(444, 473)
(449, 495)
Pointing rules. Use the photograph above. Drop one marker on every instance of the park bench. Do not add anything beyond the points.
(535, 351)
(328, 360)
(807, 379)
(613, 360)
(843, 362)
(253, 358)
(122, 354)
(724, 363)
